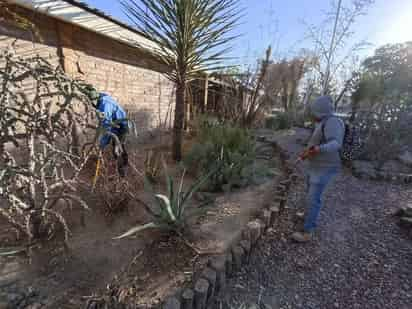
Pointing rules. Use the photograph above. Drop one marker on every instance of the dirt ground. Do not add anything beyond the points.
(140, 269)
(58, 278)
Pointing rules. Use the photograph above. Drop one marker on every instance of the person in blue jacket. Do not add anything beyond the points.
(114, 119)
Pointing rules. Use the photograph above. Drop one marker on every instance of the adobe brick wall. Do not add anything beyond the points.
(129, 75)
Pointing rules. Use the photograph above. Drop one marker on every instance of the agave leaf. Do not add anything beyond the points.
(197, 185)
(169, 183)
(148, 186)
(179, 195)
(137, 229)
(167, 203)
(11, 251)
(170, 189)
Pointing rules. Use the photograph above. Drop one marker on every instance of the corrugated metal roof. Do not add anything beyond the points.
(80, 14)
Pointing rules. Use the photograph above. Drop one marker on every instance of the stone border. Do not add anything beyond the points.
(213, 277)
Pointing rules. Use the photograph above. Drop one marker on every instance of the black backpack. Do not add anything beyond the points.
(352, 145)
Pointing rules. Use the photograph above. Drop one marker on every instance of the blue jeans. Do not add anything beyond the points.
(316, 187)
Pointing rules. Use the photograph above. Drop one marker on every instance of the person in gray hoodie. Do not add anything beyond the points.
(323, 160)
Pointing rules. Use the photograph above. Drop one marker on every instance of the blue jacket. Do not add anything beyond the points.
(112, 112)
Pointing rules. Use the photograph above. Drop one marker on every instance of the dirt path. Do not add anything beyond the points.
(360, 258)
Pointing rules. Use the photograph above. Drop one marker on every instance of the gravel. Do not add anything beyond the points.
(360, 258)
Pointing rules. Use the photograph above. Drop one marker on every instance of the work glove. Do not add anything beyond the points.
(309, 153)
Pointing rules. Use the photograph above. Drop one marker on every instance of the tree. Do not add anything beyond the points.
(332, 45)
(190, 37)
(283, 80)
(382, 100)
(386, 77)
(244, 98)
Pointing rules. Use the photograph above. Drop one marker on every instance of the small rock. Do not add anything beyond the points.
(364, 169)
(406, 221)
(14, 298)
(35, 306)
(406, 158)
(300, 215)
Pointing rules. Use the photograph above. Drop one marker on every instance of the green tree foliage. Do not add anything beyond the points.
(223, 146)
(382, 100)
(386, 76)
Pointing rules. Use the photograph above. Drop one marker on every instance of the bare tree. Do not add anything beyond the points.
(331, 41)
(39, 166)
(244, 97)
(282, 81)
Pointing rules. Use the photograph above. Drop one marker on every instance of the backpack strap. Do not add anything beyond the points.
(323, 140)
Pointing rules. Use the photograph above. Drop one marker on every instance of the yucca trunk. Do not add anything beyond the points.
(179, 119)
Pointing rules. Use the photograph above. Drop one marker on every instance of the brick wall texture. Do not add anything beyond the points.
(131, 76)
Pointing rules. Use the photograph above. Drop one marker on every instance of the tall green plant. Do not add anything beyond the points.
(221, 144)
(190, 37)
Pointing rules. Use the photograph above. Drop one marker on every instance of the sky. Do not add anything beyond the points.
(281, 24)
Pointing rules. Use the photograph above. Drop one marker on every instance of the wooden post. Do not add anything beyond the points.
(229, 264)
(274, 213)
(188, 299)
(281, 201)
(171, 303)
(267, 217)
(245, 244)
(206, 92)
(210, 275)
(294, 177)
(286, 183)
(253, 232)
(282, 188)
(238, 253)
(218, 264)
(201, 288)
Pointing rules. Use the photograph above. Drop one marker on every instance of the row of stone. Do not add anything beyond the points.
(213, 278)
(405, 217)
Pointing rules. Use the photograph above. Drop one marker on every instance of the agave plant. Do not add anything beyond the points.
(11, 251)
(171, 214)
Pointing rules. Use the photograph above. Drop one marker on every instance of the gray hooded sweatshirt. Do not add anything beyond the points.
(328, 135)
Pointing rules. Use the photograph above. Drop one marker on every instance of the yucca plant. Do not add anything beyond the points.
(190, 37)
(171, 214)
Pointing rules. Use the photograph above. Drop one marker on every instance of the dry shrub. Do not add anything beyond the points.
(42, 111)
